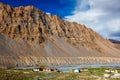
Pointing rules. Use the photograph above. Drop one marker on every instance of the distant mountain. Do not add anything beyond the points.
(29, 37)
(114, 41)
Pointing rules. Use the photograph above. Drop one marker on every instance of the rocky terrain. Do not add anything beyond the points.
(29, 37)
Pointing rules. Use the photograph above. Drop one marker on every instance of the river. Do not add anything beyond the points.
(68, 68)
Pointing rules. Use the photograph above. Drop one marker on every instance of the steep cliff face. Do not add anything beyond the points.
(29, 36)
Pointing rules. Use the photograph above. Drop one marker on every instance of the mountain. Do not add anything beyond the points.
(29, 37)
(116, 43)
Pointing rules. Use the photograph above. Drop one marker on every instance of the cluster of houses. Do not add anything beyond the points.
(46, 69)
(109, 73)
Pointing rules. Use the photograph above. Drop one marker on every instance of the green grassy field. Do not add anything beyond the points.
(20, 74)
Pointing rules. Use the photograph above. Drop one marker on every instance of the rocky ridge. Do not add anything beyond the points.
(29, 36)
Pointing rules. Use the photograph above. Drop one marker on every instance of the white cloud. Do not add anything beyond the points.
(48, 13)
(103, 16)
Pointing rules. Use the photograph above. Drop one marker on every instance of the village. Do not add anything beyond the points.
(108, 72)
(49, 69)
(53, 73)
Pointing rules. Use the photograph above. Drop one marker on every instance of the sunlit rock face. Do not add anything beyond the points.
(29, 37)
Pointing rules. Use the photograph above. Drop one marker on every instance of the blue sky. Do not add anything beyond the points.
(103, 16)
(55, 7)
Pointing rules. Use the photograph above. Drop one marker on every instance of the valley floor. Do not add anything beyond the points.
(28, 74)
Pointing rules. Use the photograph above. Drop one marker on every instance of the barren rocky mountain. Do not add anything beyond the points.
(29, 37)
